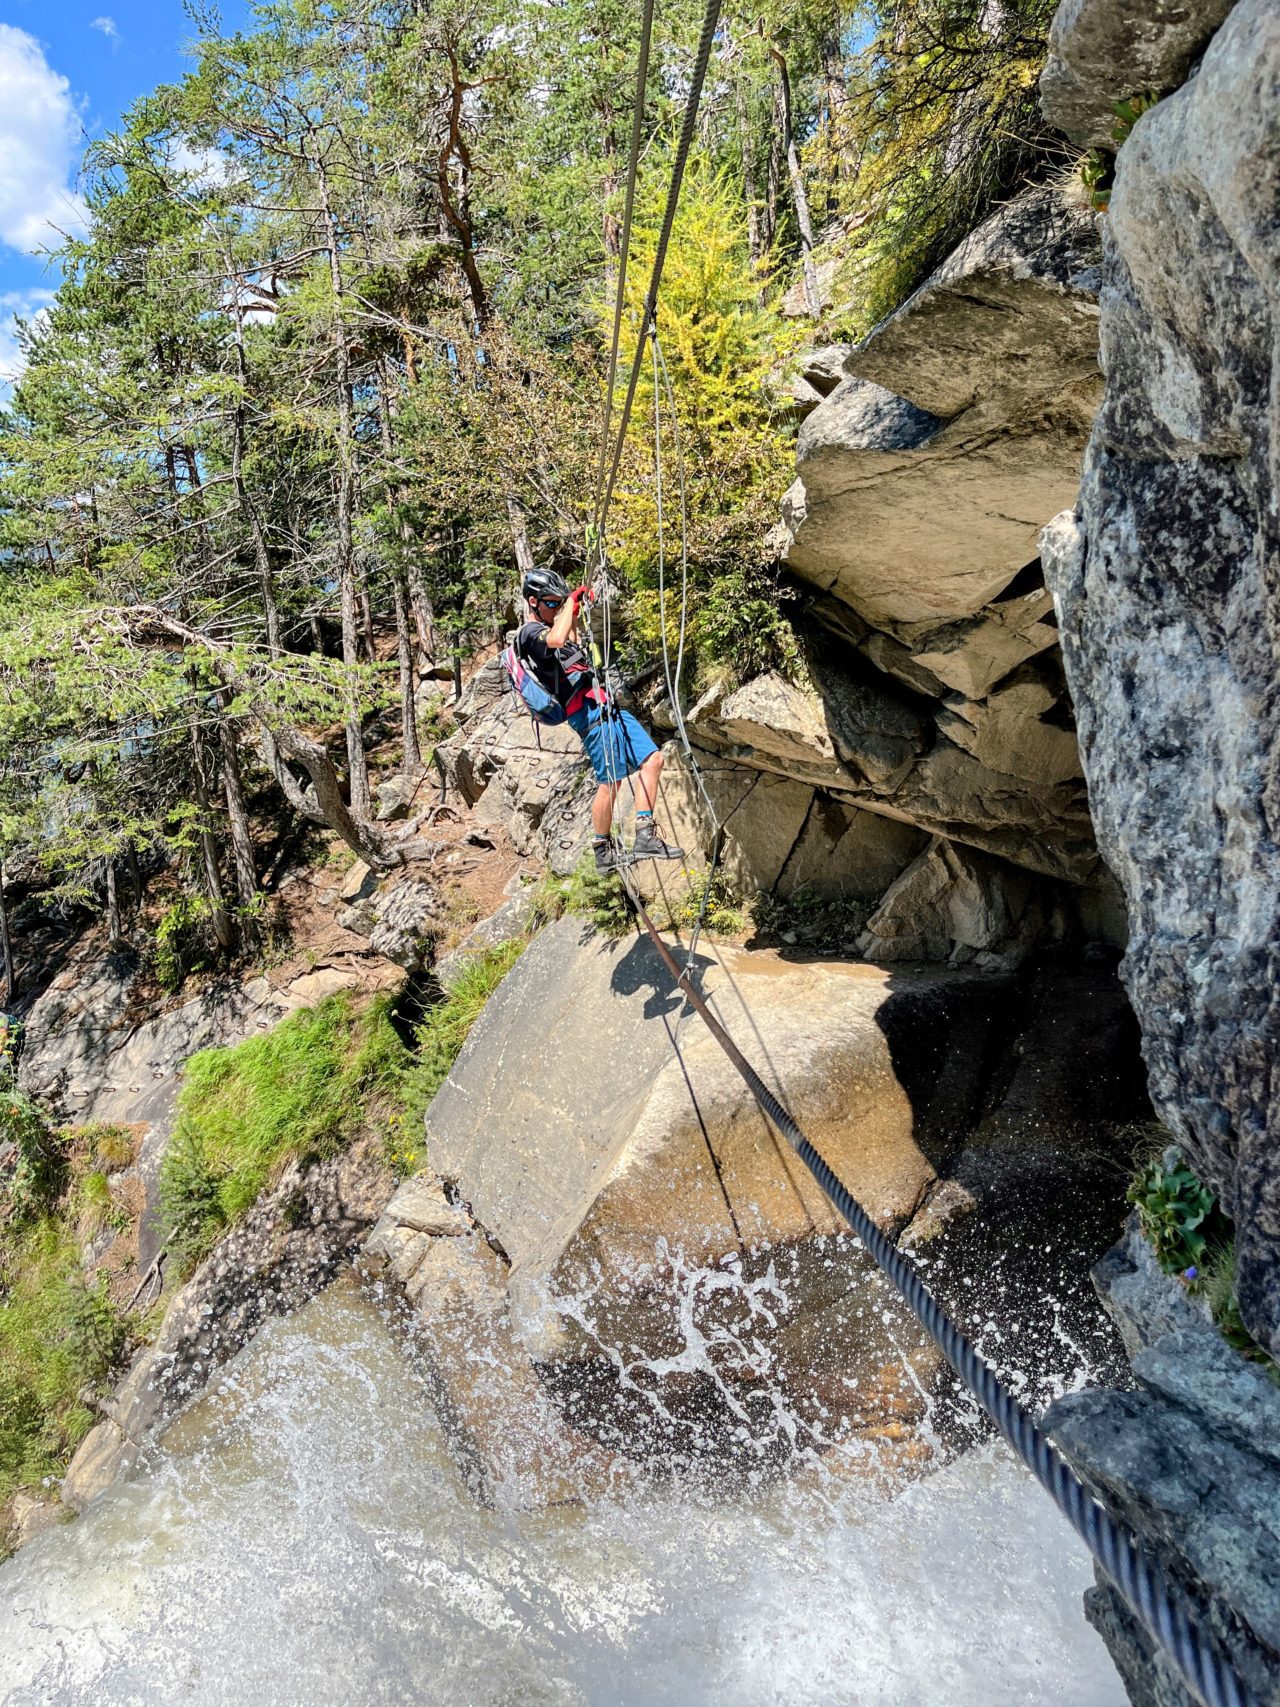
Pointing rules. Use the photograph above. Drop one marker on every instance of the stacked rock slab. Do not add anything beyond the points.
(1101, 54)
(1167, 580)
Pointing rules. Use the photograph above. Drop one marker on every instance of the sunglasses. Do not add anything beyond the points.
(552, 604)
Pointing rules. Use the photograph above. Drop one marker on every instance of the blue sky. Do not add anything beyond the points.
(68, 69)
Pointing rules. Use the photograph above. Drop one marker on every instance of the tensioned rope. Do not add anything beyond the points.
(699, 76)
(1162, 1605)
(624, 244)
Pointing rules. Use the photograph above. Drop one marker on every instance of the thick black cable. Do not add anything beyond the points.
(1162, 1606)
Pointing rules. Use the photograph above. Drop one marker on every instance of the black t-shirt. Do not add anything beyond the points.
(564, 671)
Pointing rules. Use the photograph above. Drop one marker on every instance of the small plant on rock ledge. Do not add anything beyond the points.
(1193, 1240)
(1179, 1216)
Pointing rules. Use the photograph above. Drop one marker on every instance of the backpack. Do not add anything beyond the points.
(542, 706)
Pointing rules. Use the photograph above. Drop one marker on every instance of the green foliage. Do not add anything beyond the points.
(299, 1091)
(1179, 1217)
(943, 123)
(720, 343)
(183, 943)
(57, 1336)
(439, 1038)
(598, 897)
(1097, 168)
(39, 1171)
(722, 917)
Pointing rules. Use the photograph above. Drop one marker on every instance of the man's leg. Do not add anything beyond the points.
(647, 782)
(602, 808)
(608, 858)
(648, 843)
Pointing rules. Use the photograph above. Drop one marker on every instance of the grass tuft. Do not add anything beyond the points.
(300, 1091)
(440, 1037)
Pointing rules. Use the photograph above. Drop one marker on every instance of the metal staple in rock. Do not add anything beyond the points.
(1161, 1605)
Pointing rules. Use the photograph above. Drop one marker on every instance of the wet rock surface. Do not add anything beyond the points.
(1165, 579)
(1190, 1460)
(289, 1244)
(641, 1197)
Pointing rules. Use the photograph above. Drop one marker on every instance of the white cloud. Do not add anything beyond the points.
(205, 168)
(39, 142)
(108, 27)
(17, 305)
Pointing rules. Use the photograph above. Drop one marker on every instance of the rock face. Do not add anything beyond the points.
(1101, 53)
(507, 1435)
(1167, 583)
(642, 1201)
(1192, 1460)
(925, 475)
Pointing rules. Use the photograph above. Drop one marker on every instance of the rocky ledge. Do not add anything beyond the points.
(1192, 1459)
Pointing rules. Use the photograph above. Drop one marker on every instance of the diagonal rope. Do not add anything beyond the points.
(649, 310)
(1177, 1623)
(624, 256)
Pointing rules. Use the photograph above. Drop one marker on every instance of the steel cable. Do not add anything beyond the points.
(1161, 1605)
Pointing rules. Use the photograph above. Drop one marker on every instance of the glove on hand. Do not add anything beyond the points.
(580, 596)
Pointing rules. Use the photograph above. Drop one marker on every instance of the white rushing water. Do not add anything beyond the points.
(306, 1540)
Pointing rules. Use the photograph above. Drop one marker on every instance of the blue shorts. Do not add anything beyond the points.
(616, 745)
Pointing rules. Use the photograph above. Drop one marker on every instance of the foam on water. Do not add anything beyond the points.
(305, 1539)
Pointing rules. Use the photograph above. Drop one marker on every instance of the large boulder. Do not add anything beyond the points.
(646, 1208)
(1101, 52)
(1167, 583)
(926, 474)
(608, 1163)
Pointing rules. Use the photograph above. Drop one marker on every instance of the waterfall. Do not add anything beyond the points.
(303, 1537)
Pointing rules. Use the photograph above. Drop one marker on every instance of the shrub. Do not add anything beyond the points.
(57, 1335)
(183, 943)
(722, 917)
(39, 1172)
(112, 1147)
(1179, 1216)
(1193, 1239)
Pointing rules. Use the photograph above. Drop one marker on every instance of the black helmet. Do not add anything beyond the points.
(545, 584)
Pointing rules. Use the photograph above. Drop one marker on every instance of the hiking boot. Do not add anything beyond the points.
(650, 845)
(610, 858)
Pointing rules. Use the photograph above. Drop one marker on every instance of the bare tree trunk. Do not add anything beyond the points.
(237, 812)
(135, 875)
(755, 234)
(6, 944)
(412, 765)
(248, 509)
(519, 537)
(358, 770)
(219, 917)
(799, 197)
(424, 616)
(773, 176)
(455, 202)
(113, 905)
